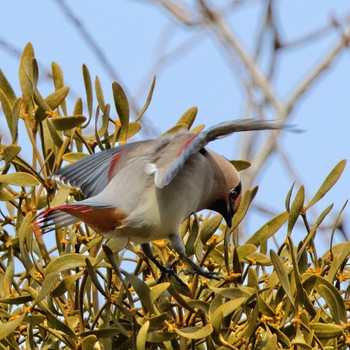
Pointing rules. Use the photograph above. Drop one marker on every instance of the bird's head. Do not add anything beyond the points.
(228, 189)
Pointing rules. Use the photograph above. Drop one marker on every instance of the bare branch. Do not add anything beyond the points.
(325, 63)
(88, 39)
(220, 28)
(179, 12)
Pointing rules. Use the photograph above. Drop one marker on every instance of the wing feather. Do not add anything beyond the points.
(92, 173)
(193, 143)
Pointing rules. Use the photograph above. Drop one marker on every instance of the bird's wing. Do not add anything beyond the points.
(180, 147)
(92, 173)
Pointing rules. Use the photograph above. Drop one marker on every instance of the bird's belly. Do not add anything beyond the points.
(138, 234)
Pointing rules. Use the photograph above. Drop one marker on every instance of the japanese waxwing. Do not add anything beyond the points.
(144, 190)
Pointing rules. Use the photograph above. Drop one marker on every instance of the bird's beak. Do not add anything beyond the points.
(228, 216)
(234, 202)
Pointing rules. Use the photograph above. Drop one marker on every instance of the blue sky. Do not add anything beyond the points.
(132, 34)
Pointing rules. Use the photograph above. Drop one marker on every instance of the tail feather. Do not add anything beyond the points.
(91, 213)
(55, 218)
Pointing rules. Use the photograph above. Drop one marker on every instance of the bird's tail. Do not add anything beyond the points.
(102, 217)
(59, 216)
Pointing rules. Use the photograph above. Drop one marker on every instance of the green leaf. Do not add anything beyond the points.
(245, 249)
(58, 80)
(148, 100)
(242, 210)
(157, 321)
(25, 231)
(108, 332)
(224, 310)
(195, 332)
(288, 198)
(193, 234)
(65, 284)
(133, 129)
(282, 338)
(175, 129)
(338, 262)
(122, 107)
(331, 301)
(16, 109)
(142, 336)
(56, 322)
(17, 300)
(178, 297)
(300, 295)
(40, 101)
(19, 179)
(47, 286)
(282, 275)
(157, 291)
(188, 117)
(234, 292)
(271, 343)
(88, 88)
(199, 304)
(104, 127)
(311, 234)
(57, 97)
(141, 288)
(9, 327)
(78, 107)
(328, 183)
(240, 164)
(299, 340)
(65, 262)
(114, 245)
(55, 136)
(209, 227)
(67, 123)
(258, 259)
(43, 107)
(6, 87)
(6, 108)
(73, 157)
(34, 72)
(197, 129)
(94, 279)
(10, 152)
(6, 196)
(327, 330)
(88, 342)
(314, 281)
(273, 226)
(296, 208)
(160, 337)
(25, 76)
(265, 308)
(35, 320)
(99, 94)
(252, 322)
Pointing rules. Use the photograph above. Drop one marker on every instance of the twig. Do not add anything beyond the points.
(220, 28)
(318, 70)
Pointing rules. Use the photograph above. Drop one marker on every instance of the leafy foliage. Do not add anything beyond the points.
(71, 290)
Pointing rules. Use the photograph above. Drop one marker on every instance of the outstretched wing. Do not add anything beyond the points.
(92, 173)
(193, 143)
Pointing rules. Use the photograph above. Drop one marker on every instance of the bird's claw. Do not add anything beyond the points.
(168, 271)
(208, 274)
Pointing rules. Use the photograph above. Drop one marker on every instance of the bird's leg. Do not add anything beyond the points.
(177, 244)
(146, 248)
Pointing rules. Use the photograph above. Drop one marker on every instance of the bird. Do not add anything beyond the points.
(144, 190)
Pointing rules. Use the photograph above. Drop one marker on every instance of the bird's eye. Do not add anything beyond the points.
(235, 192)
